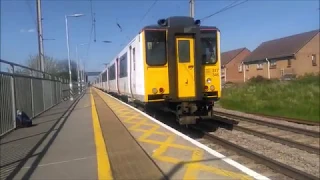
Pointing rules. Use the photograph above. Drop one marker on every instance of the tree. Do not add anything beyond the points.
(54, 66)
(50, 64)
(63, 69)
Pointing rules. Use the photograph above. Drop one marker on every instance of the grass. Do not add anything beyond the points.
(298, 99)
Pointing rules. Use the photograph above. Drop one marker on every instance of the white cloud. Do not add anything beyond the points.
(29, 30)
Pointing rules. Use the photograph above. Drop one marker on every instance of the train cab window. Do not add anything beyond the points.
(184, 51)
(156, 48)
(209, 48)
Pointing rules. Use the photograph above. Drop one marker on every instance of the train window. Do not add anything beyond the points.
(209, 48)
(156, 48)
(123, 66)
(112, 72)
(104, 76)
(184, 51)
(134, 58)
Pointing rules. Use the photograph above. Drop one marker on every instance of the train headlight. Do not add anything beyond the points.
(154, 90)
(212, 88)
(208, 80)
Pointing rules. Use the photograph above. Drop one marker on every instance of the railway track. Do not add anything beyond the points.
(270, 124)
(291, 136)
(276, 169)
(298, 121)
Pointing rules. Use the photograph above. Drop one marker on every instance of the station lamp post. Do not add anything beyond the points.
(68, 48)
(78, 65)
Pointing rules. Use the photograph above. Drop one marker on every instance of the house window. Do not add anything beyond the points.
(240, 68)
(314, 60)
(273, 64)
(259, 66)
(289, 62)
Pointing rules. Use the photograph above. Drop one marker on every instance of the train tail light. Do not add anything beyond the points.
(161, 90)
(206, 88)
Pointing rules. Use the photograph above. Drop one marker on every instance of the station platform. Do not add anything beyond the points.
(104, 138)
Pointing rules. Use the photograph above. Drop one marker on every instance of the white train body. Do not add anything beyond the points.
(128, 79)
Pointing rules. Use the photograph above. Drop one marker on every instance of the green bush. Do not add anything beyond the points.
(293, 99)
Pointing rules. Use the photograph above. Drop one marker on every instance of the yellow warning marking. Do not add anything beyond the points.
(193, 167)
(223, 172)
(104, 170)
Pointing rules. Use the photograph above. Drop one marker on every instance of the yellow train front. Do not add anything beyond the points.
(182, 67)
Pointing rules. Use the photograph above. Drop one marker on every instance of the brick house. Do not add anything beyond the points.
(289, 56)
(230, 62)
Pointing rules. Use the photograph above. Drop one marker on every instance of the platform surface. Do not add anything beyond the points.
(176, 157)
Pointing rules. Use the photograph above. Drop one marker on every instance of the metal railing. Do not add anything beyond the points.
(28, 90)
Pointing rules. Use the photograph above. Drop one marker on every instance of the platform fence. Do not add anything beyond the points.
(29, 90)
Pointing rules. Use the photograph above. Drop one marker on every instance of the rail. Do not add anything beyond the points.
(29, 90)
(270, 124)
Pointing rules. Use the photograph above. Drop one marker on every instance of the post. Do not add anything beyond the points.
(13, 97)
(191, 3)
(78, 77)
(225, 74)
(32, 95)
(244, 72)
(40, 36)
(82, 76)
(268, 68)
(69, 63)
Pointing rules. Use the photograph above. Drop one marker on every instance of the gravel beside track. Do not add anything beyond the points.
(296, 158)
(312, 141)
(259, 168)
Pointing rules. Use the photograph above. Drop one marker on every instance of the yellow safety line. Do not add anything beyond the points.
(104, 169)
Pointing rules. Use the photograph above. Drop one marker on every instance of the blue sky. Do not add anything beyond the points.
(246, 25)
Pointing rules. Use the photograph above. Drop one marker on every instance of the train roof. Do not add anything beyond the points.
(155, 26)
(178, 21)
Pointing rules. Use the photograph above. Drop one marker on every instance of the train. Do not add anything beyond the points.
(173, 66)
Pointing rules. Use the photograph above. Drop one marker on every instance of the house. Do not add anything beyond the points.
(231, 61)
(289, 56)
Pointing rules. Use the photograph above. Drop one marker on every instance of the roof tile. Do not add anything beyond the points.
(227, 56)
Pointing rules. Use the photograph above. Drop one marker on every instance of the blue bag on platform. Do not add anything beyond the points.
(22, 119)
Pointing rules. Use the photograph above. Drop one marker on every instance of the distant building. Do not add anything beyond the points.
(231, 65)
(289, 56)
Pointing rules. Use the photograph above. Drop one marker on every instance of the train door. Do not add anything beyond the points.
(108, 81)
(132, 71)
(118, 74)
(185, 67)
